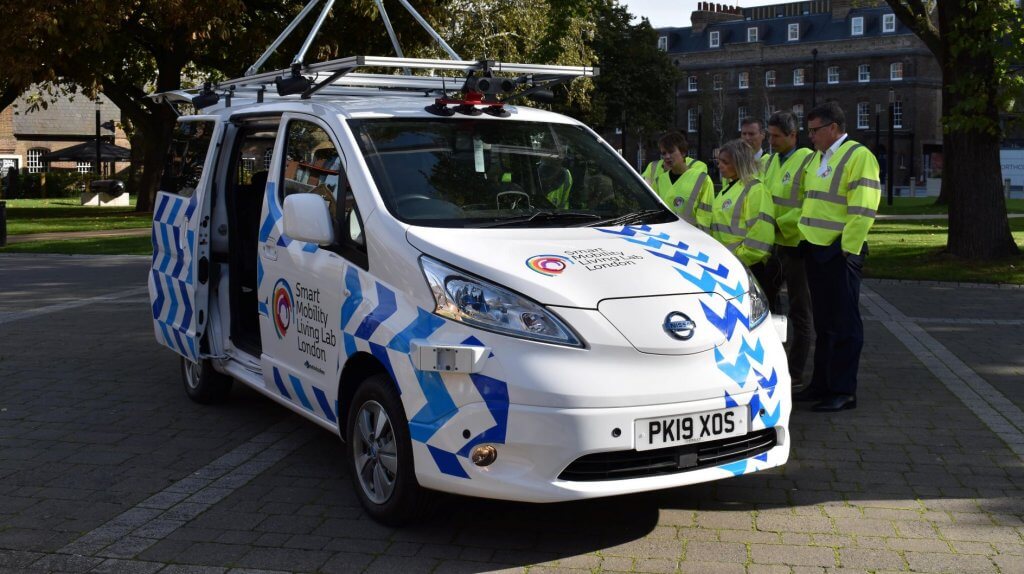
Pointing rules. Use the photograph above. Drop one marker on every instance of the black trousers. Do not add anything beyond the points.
(834, 283)
(794, 272)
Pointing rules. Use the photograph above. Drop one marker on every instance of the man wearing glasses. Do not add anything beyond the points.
(842, 194)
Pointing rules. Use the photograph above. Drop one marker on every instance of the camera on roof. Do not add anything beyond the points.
(488, 85)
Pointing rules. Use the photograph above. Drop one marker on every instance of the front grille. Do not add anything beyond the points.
(633, 464)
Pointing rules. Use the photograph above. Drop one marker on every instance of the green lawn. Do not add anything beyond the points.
(926, 205)
(97, 246)
(912, 250)
(56, 215)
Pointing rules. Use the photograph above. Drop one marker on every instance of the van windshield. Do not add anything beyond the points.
(494, 173)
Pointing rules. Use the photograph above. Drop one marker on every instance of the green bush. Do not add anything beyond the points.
(52, 184)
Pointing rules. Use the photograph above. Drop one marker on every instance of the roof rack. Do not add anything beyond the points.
(337, 77)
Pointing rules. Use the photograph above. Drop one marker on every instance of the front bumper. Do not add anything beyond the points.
(544, 441)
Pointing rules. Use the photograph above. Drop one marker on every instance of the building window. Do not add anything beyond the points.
(897, 113)
(769, 79)
(663, 43)
(833, 74)
(267, 157)
(83, 167)
(889, 23)
(691, 120)
(863, 116)
(794, 32)
(33, 160)
(691, 84)
(752, 34)
(857, 26)
(714, 40)
(744, 81)
(896, 71)
(798, 111)
(798, 77)
(717, 81)
(864, 73)
(741, 114)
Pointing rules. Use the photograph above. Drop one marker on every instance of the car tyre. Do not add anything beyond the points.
(380, 455)
(203, 383)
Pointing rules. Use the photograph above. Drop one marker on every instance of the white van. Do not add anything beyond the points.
(491, 304)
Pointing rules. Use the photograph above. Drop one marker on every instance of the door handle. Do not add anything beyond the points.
(270, 252)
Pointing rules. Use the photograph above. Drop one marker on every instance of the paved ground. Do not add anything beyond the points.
(105, 466)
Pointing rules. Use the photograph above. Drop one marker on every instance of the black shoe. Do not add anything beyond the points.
(836, 403)
(808, 394)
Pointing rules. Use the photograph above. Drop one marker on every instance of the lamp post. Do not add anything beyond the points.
(891, 152)
(99, 156)
(814, 78)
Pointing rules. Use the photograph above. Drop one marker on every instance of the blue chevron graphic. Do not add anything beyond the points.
(722, 271)
(727, 323)
(439, 408)
(158, 304)
(161, 206)
(186, 302)
(729, 401)
(355, 297)
(421, 327)
(737, 371)
(280, 384)
(321, 399)
(447, 462)
(770, 417)
(768, 384)
(471, 340)
(495, 395)
(657, 242)
(259, 272)
(300, 392)
(756, 352)
(736, 468)
(707, 283)
(680, 257)
(386, 307)
(273, 213)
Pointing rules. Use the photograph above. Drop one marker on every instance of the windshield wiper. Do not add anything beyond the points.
(627, 219)
(543, 216)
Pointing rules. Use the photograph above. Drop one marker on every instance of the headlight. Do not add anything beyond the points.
(467, 299)
(758, 302)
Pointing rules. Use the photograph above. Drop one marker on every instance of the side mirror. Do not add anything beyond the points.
(307, 218)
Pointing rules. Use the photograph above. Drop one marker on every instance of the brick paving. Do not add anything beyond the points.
(105, 466)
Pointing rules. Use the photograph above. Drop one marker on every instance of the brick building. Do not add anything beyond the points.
(27, 135)
(754, 61)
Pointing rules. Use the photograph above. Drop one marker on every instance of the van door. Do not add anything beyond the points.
(300, 284)
(179, 276)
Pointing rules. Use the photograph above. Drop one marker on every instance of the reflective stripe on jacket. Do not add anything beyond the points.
(784, 181)
(689, 197)
(742, 221)
(843, 202)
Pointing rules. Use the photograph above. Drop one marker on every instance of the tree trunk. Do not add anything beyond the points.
(157, 130)
(971, 174)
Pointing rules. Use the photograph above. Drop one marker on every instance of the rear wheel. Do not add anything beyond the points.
(203, 384)
(380, 455)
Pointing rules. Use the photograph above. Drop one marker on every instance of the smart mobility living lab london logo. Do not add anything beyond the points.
(282, 307)
(549, 265)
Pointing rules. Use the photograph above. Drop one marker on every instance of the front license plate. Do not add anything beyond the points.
(660, 432)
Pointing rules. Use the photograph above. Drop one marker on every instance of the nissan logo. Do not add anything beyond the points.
(679, 326)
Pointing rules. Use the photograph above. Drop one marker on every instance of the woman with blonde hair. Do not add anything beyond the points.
(742, 213)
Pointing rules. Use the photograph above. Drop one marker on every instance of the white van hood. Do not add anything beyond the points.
(580, 267)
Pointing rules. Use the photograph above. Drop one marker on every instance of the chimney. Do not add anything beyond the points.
(708, 13)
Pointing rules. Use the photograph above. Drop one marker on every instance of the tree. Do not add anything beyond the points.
(129, 49)
(637, 82)
(975, 43)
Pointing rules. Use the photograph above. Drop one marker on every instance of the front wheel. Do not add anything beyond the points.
(203, 383)
(380, 455)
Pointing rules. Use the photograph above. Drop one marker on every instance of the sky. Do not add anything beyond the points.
(676, 13)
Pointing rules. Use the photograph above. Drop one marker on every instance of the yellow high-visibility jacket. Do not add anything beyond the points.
(763, 162)
(784, 180)
(742, 220)
(559, 197)
(843, 202)
(691, 194)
